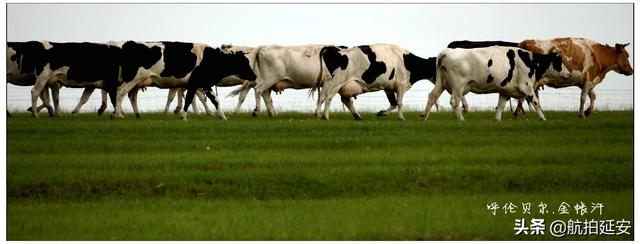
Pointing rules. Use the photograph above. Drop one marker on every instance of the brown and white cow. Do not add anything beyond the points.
(587, 62)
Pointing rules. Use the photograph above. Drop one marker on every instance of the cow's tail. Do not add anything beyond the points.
(256, 70)
(245, 85)
(441, 71)
(318, 83)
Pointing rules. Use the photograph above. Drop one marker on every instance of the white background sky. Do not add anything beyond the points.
(425, 29)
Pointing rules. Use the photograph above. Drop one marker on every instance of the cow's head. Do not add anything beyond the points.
(238, 64)
(622, 60)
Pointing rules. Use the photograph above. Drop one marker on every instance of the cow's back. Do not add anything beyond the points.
(297, 63)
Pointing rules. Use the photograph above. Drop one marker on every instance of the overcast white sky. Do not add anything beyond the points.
(425, 29)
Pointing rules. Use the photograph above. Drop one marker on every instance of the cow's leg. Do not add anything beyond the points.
(531, 107)
(44, 105)
(216, 103)
(266, 96)
(103, 105)
(347, 101)
(432, 99)
(465, 105)
(583, 98)
(180, 100)
(400, 101)
(534, 99)
(86, 94)
(38, 87)
(203, 100)
(592, 102)
(55, 96)
(502, 100)
(44, 96)
(244, 90)
(133, 98)
(519, 108)
(259, 96)
(170, 96)
(112, 90)
(456, 96)
(194, 105)
(191, 91)
(321, 98)
(327, 102)
(393, 103)
(123, 90)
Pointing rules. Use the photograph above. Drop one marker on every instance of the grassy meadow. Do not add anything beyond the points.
(296, 177)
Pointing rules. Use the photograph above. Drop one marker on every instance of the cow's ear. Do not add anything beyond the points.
(620, 47)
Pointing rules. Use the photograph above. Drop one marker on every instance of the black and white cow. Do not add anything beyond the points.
(367, 68)
(245, 85)
(509, 71)
(466, 44)
(178, 64)
(66, 64)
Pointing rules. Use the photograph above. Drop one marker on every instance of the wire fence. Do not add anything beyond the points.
(154, 99)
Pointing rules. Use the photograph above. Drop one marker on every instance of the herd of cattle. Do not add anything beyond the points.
(510, 69)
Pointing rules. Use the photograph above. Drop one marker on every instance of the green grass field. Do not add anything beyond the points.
(299, 178)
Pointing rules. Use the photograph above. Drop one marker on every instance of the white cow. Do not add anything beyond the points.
(509, 71)
(282, 67)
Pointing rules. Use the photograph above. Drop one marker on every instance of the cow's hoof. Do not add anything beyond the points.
(582, 116)
(358, 117)
(587, 112)
(138, 116)
(100, 112)
(254, 114)
(381, 113)
(176, 111)
(34, 116)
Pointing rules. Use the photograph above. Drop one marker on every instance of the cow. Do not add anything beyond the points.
(252, 54)
(470, 45)
(51, 64)
(367, 68)
(176, 65)
(479, 44)
(586, 61)
(282, 67)
(509, 71)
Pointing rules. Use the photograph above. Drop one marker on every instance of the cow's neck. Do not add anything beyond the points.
(419, 68)
(604, 60)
